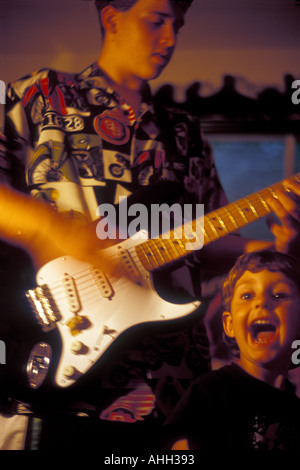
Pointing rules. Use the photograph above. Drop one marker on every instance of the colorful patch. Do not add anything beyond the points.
(132, 407)
(111, 129)
(116, 166)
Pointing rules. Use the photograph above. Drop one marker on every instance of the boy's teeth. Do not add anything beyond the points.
(263, 331)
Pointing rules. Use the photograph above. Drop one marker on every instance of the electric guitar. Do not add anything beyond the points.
(91, 309)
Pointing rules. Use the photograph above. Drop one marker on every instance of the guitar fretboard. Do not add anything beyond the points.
(180, 242)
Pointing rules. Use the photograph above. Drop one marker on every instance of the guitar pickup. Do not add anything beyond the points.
(129, 266)
(71, 293)
(44, 307)
(102, 282)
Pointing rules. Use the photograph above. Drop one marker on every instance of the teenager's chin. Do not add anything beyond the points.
(155, 71)
(154, 75)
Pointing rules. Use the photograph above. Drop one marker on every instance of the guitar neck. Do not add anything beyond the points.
(179, 243)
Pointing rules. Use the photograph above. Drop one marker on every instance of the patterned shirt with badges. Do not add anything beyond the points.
(71, 140)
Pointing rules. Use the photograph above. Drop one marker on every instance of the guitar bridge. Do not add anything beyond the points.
(44, 307)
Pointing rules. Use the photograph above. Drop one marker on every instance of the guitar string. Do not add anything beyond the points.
(85, 277)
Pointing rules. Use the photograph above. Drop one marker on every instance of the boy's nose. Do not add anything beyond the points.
(262, 301)
(168, 38)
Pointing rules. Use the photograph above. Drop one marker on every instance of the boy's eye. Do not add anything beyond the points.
(246, 296)
(156, 20)
(280, 295)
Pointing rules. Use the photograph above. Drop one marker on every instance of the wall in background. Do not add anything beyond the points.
(257, 41)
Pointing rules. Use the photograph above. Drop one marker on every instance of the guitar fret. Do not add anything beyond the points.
(285, 187)
(247, 211)
(180, 235)
(180, 247)
(252, 208)
(176, 243)
(150, 254)
(241, 213)
(171, 249)
(231, 218)
(143, 257)
(191, 230)
(207, 219)
(219, 219)
(165, 253)
(273, 193)
(205, 236)
(263, 204)
(157, 252)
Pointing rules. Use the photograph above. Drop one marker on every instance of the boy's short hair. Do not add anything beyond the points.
(124, 5)
(257, 261)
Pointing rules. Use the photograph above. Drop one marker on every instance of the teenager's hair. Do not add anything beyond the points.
(121, 5)
(257, 261)
(124, 5)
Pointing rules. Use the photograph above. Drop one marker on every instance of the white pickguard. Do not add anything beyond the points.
(108, 310)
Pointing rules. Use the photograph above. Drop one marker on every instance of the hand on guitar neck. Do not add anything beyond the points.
(283, 200)
(287, 209)
(45, 234)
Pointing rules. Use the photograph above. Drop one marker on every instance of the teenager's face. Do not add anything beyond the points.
(264, 318)
(145, 37)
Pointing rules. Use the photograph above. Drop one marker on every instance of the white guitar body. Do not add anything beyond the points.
(91, 310)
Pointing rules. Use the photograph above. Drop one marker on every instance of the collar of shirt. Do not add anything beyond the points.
(94, 77)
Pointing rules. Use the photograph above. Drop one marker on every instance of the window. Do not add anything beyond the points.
(249, 163)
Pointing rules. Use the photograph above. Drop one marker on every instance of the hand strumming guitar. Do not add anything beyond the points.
(45, 234)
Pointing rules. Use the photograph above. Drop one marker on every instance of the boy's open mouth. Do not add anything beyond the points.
(263, 331)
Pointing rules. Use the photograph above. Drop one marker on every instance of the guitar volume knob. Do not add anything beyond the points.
(77, 347)
(69, 372)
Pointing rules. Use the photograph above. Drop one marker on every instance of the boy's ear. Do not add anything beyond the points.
(227, 324)
(108, 18)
